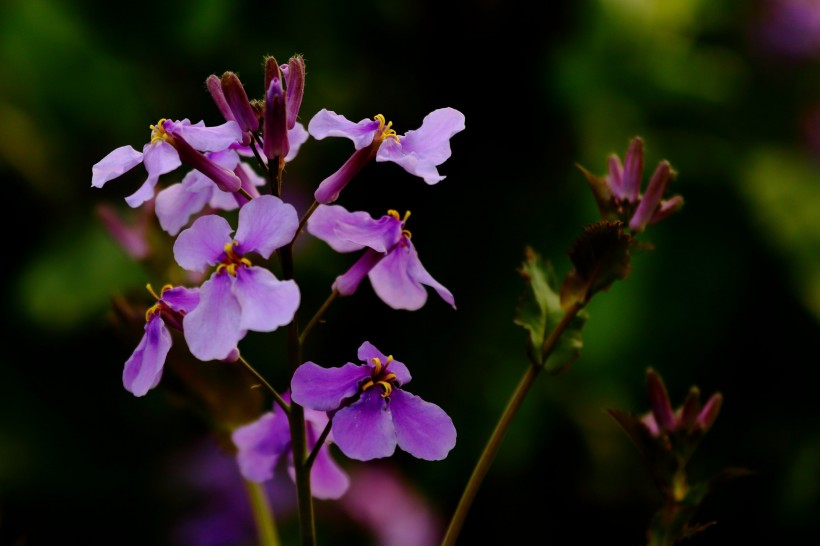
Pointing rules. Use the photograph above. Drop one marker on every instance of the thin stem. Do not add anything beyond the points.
(244, 192)
(487, 456)
(254, 143)
(304, 219)
(315, 451)
(317, 317)
(279, 400)
(262, 514)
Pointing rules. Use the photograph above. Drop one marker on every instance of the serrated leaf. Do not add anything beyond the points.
(539, 312)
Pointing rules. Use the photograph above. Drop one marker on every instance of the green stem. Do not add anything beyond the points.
(279, 400)
(491, 448)
(322, 437)
(319, 314)
(304, 219)
(262, 514)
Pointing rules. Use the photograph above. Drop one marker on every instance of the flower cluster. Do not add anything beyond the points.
(238, 166)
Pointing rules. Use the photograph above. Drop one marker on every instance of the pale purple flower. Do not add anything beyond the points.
(372, 414)
(419, 151)
(262, 443)
(178, 202)
(390, 260)
(691, 418)
(171, 144)
(143, 369)
(131, 236)
(238, 296)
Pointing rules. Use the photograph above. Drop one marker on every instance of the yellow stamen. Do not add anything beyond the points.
(406, 233)
(158, 131)
(151, 291)
(384, 131)
(388, 388)
(153, 310)
(378, 363)
(367, 385)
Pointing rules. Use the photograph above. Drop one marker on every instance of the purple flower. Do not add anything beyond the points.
(178, 202)
(791, 27)
(143, 369)
(618, 193)
(172, 143)
(690, 419)
(372, 414)
(390, 259)
(419, 152)
(262, 443)
(238, 296)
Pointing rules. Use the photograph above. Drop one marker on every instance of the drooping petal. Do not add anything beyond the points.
(297, 136)
(143, 368)
(327, 479)
(160, 158)
(364, 430)
(212, 329)
(202, 244)
(423, 429)
(417, 272)
(327, 123)
(420, 151)
(347, 231)
(210, 139)
(116, 163)
(347, 283)
(260, 444)
(265, 224)
(176, 204)
(181, 298)
(324, 389)
(267, 303)
(392, 282)
(367, 352)
(144, 193)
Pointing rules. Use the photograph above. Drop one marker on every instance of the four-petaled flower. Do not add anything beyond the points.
(390, 259)
(419, 152)
(262, 443)
(143, 369)
(238, 296)
(172, 142)
(372, 414)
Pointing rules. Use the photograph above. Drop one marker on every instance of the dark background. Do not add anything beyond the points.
(729, 300)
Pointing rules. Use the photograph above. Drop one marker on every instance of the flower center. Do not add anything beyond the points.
(155, 309)
(380, 376)
(395, 214)
(232, 260)
(158, 131)
(384, 131)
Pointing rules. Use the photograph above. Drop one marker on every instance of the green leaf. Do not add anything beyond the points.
(539, 312)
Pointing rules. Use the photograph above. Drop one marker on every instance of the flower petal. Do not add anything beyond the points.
(209, 139)
(364, 430)
(423, 429)
(212, 329)
(265, 224)
(176, 204)
(202, 244)
(327, 123)
(297, 136)
(392, 282)
(324, 389)
(347, 231)
(160, 158)
(267, 303)
(181, 299)
(368, 351)
(260, 444)
(327, 479)
(143, 368)
(116, 163)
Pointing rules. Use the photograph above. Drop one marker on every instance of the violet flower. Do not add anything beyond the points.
(390, 259)
(262, 443)
(372, 414)
(143, 369)
(419, 152)
(238, 296)
(618, 193)
(171, 144)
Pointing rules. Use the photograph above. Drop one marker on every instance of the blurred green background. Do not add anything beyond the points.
(729, 300)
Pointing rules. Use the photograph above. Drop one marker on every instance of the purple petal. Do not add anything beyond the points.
(160, 158)
(267, 303)
(143, 194)
(260, 444)
(210, 139)
(364, 430)
(202, 244)
(633, 169)
(348, 282)
(116, 163)
(265, 224)
(327, 123)
(367, 352)
(324, 389)
(330, 188)
(327, 479)
(399, 277)
(616, 176)
(181, 299)
(651, 199)
(348, 231)
(423, 429)
(176, 204)
(297, 136)
(212, 329)
(143, 368)
(420, 151)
